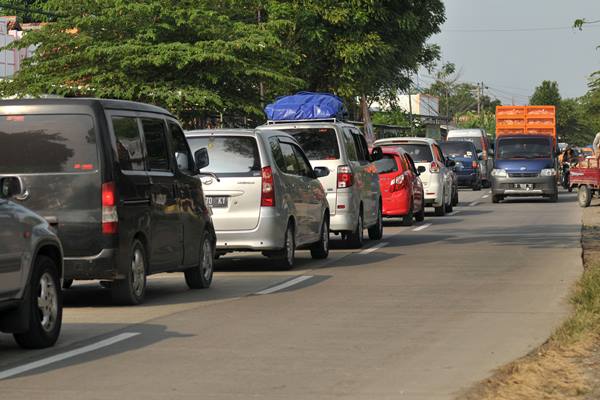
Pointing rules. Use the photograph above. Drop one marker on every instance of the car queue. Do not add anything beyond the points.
(116, 191)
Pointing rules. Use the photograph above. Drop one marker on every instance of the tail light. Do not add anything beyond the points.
(345, 178)
(475, 165)
(267, 197)
(398, 183)
(110, 218)
(434, 168)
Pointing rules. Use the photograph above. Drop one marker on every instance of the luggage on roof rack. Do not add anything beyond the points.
(306, 106)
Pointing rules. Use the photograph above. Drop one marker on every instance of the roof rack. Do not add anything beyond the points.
(302, 121)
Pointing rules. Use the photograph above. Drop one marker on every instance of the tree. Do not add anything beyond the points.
(26, 10)
(547, 94)
(192, 57)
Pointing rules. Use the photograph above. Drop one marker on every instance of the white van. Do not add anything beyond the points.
(484, 149)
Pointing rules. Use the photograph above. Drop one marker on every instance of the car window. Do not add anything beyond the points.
(156, 144)
(459, 149)
(420, 153)
(304, 167)
(229, 156)
(386, 165)
(477, 141)
(47, 143)
(405, 165)
(361, 148)
(182, 153)
(129, 143)
(438, 153)
(317, 143)
(411, 163)
(350, 145)
(290, 164)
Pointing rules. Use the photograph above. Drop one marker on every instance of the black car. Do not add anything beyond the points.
(118, 182)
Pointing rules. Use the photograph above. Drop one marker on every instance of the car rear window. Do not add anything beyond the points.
(420, 153)
(458, 149)
(475, 140)
(317, 143)
(229, 155)
(47, 144)
(386, 165)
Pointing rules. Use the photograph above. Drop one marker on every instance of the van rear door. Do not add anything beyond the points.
(56, 155)
(235, 200)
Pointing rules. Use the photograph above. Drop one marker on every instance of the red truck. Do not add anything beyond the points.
(585, 177)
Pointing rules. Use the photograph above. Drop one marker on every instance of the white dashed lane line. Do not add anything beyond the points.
(420, 228)
(285, 285)
(485, 196)
(473, 204)
(64, 356)
(453, 213)
(374, 248)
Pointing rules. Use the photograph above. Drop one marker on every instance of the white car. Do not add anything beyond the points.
(437, 178)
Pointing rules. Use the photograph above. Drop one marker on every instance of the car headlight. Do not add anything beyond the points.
(548, 172)
(499, 173)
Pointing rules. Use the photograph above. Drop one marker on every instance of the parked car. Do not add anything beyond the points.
(467, 166)
(437, 178)
(401, 187)
(352, 188)
(482, 143)
(116, 179)
(31, 265)
(264, 194)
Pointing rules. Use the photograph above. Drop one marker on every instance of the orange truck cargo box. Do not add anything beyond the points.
(526, 120)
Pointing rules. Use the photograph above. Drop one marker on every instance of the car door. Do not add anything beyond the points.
(368, 178)
(166, 227)
(444, 170)
(12, 246)
(417, 185)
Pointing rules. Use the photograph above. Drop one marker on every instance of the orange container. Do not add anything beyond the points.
(526, 120)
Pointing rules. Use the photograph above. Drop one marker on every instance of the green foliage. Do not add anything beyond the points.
(547, 94)
(395, 116)
(470, 119)
(26, 10)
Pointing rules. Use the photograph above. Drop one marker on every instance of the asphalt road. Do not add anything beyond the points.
(430, 310)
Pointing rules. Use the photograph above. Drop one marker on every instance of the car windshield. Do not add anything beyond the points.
(386, 165)
(47, 144)
(524, 148)
(475, 140)
(420, 153)
(229, 155)
(458, 150)
(317, 143)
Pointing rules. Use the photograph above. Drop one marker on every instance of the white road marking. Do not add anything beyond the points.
(285, 285)
(64, 356)
(373, 248)
(473, 204)
(485, 196)
(452, 214)
(420, 228)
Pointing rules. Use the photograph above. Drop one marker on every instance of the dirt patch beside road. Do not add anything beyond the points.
(567, 366)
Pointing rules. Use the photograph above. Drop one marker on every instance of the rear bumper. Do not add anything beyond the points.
(396, 204)
(268, 234)
(434, 194)
(100, 266)
(346, 214)
(538, 186)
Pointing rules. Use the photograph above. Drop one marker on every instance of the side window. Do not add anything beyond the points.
(411, 163)
(360, 150)
(304, 166)
(277, 154)
(438, 154)
(365, 147)
(182, 155)
(404, 164)
(129, 143)
(290, 165)
(350, 145)
(156, 144)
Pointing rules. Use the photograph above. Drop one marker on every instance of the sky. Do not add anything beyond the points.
(512, 62)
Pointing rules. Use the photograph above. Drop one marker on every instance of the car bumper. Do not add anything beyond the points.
(536, 186)
(100, 266)
(268, 234)
(433, 194)
(346, 215)
(396, 204)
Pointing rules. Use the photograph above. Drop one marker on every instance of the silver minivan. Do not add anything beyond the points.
(352, 188)
(264, 194)
(31, 266)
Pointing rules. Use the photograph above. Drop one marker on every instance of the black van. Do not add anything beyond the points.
(117, 181)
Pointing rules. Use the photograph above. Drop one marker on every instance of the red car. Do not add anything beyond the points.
(401, 187)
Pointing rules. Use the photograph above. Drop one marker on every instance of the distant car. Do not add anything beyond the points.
(485, 154)
(117, 181)
(31, 266)
(401, 187)
(467, 166)
(437, 178)
(353, 186)
(264, 194)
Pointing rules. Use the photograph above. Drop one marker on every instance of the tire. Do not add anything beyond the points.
(286, 257)
(553, 198)
(356, 239)
(420, 216)
(449, 206)
(477, 186)
(486, 184)
(408, 219)
(67, 283)
(320, 250)
(455, 198)
(132, 289)
(376, 231)
(200, 276)
(46, 306)
(496, 198)
(570, 189)
(584, 196)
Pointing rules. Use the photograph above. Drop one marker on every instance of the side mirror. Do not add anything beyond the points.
(321, 172)
(201, 158)
(376, 154)
(11, 186)
(421, 169)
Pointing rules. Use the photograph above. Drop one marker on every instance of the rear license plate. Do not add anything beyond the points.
(524, 186)
(216, 201)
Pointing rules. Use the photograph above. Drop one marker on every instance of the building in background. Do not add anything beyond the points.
(10, 31)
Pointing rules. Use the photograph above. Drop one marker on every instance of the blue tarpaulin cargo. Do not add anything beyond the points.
(306, 106)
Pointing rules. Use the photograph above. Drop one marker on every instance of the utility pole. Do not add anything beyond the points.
(410, 109)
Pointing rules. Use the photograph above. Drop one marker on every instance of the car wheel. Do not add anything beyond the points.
(376, 231)
(67, 283)
(584, 196)
(441, 210)
(287, 255)
(46, 306)
(320, 250)
(496, 198)
(477, 186)
(420, 216)
(455, 198)
(132, 289)
(553, 198)
(408, 219)
(356, 239)
(200, 276)
(449, 207)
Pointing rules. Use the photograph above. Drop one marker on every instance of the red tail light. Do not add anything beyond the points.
(434, 168)
(345, 178)
(110, 218)
(267, 197)
(475, 165)
(398, 183)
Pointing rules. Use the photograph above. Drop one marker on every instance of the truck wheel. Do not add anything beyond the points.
(584, 196)
(132, 289)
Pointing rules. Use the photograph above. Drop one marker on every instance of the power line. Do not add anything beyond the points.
(540, 29)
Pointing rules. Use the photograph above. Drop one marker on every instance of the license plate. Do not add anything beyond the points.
(524, 186)
(216, 201)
